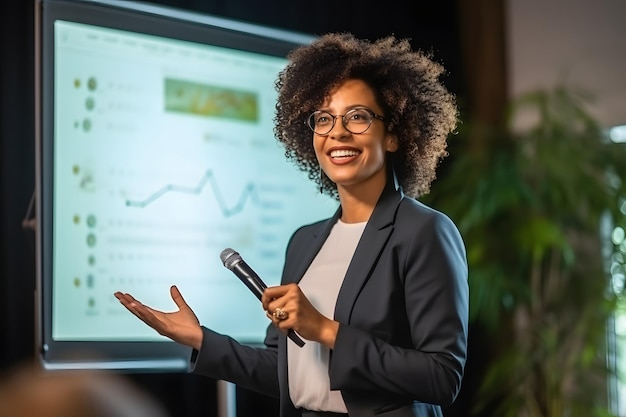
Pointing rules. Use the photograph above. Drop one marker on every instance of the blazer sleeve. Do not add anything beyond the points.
(429, 261)
(253, 368)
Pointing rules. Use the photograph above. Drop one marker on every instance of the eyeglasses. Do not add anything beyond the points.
(355, 121)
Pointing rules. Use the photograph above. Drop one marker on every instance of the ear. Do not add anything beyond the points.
(392, 142)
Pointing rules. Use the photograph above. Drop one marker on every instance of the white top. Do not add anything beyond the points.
(309, 384)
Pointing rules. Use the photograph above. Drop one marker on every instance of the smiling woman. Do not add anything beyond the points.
(379, 290)
(425, 27)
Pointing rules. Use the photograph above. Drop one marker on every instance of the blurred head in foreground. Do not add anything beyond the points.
(29, 392)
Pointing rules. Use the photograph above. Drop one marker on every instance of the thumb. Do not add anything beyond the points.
(178, 298)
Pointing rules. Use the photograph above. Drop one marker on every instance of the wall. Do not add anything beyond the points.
(580, 42)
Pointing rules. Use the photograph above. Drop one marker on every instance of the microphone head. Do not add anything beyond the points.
(229, 257)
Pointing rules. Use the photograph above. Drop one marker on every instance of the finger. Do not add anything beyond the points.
(126, 299)
(132, 304)
(120, 295)
(273, 318)
(271, 293)
(148, 316)
(143, 312)
(280, 314)
(135, 307)
(276, 323)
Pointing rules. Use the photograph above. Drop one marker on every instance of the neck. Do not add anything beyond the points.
(358, 201)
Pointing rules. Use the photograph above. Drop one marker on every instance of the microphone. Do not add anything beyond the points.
(233, 261)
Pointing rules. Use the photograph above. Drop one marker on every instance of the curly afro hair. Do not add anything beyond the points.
(416, 105)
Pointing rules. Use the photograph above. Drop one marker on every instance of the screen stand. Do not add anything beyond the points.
(226, 399)
(30, 221)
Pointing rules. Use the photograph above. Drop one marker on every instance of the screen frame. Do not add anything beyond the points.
(135, 17)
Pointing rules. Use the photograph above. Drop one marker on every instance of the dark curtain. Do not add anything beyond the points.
(433, 26)
(17, 182)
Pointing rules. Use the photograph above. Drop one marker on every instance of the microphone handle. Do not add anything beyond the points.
(295, 338)
(257, 286)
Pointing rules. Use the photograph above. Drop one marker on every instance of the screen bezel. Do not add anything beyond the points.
(135, 17)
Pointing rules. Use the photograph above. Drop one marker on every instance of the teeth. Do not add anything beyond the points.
(343, 153)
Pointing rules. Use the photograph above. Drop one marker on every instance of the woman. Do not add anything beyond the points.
(379, 291)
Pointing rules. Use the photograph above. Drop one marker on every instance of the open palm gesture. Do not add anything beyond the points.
(181, 326)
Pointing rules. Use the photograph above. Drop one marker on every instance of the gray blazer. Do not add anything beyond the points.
(403, 313)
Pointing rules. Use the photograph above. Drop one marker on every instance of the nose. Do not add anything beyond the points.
(339, 130)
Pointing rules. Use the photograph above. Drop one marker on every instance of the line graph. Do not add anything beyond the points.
(249, 192)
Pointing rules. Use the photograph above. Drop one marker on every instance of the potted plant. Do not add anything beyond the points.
(534, 206)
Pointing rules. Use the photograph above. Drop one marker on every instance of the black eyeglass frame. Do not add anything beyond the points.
(343, 120)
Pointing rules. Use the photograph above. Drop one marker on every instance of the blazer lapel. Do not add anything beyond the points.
(371, 244)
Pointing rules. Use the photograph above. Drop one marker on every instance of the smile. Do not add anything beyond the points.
(343, 153)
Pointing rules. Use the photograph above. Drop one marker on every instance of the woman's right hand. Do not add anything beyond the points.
(181, 326)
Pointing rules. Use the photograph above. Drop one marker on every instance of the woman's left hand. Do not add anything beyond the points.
(299, 314)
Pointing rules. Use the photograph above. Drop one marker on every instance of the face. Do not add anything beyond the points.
(355, 162)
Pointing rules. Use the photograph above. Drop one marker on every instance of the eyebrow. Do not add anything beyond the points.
(351, 107)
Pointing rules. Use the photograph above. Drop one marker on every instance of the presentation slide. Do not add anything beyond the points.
(164, 155)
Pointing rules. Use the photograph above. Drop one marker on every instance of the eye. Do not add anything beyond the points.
(322, 118)
(358, 116)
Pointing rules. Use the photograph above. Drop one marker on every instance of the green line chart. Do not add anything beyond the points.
(249, 193)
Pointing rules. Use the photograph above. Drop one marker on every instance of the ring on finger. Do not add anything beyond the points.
(280, 314)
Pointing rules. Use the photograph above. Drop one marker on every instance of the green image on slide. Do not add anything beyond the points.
(208, 100)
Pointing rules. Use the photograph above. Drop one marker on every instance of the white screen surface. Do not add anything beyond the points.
(164, 155)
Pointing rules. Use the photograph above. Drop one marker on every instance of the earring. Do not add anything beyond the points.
(392, 172)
